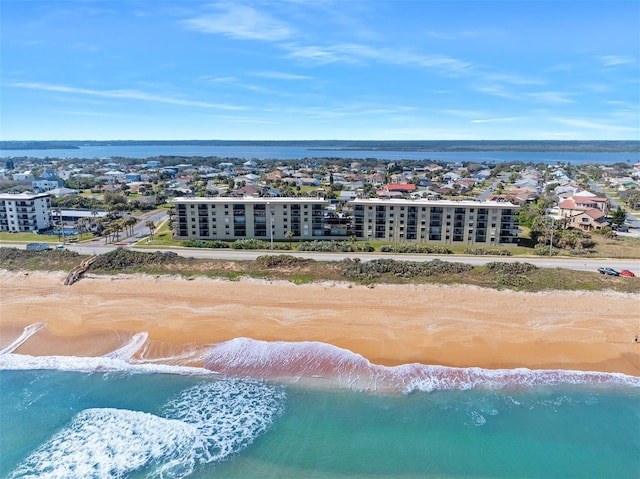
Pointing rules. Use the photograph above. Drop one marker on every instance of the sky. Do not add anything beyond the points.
(319, 70)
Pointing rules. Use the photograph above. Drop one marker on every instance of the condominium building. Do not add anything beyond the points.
(435, 221)
(249, 217)
(426, 221)
(25, 212)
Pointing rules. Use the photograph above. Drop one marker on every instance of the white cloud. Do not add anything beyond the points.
(497, 90)
(123, 94)
(613, 60)
(281, 75)
(321, 55)
(508, 119)
(357, 53)
(242, 22)
(553, 97)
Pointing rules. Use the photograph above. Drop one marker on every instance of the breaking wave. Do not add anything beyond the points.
(26, 334)
(314, 362)
(209, 422)
(112, 443)
(127, 351)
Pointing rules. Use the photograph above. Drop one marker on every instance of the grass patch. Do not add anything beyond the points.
(27, 237)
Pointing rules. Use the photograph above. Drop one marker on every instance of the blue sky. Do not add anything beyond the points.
(316, 69)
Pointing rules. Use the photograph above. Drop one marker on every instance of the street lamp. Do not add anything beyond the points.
(553, 222)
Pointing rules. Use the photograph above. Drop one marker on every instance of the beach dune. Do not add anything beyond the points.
(456, 326)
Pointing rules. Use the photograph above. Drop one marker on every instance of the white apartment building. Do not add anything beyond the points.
(25, 212)
(397, 220)
(249, 217)
(435, 221)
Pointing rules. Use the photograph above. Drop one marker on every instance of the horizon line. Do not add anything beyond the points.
(319, 140)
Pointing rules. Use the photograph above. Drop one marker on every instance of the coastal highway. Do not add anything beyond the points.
(578, 264)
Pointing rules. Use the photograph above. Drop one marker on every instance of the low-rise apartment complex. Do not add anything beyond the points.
(435, 221)
(25, 212)
(249, 217)
(425, 221)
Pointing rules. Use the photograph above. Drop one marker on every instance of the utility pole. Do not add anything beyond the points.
(553, 222)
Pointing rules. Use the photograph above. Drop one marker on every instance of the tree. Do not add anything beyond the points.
(107, 231)
(152, 226)
(619, 216)
(542, 230)
(129, 223)
(289, 235)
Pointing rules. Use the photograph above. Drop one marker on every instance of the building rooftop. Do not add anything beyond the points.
(23, 196)
(247, 199)
(432, 202)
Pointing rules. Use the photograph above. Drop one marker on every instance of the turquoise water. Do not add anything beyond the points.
(66, 424)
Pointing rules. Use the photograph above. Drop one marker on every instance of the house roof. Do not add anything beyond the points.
(401, 187)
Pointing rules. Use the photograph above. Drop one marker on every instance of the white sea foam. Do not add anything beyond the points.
(26, 334)
(90, 364)
(127, 351)
(323, 365)
(209, 422)
(229, 415)
(312, 361)
(112, 443)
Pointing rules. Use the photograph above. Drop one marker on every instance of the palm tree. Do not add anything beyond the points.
(107, 232)
(117, 228)
(289, 235)
(83, 225)
(130, 222)
(152, 226)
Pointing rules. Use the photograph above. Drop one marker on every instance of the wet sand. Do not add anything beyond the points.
(388, 325)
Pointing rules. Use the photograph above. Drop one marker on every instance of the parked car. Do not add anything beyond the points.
(38, 247)
(626, 272)
(608, 271)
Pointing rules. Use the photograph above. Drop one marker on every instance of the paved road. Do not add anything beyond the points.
(140, 230)
(578, 264)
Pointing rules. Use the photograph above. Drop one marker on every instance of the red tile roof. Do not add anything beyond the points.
(406, 187)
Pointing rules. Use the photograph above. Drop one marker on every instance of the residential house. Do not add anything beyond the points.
(587, 220)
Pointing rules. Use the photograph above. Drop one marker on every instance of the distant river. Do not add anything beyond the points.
(300, 152)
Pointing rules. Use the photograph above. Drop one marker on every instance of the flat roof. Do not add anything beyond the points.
(426, 202)
(22, 196)
(247, 199)
(77, 213)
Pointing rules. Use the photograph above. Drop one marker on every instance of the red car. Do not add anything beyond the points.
(626, 272)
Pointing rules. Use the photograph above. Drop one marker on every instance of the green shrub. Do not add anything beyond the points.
(369, 270)
(510, 268)
(415, 248)
(205, 244)
(250, 244)
(482, 251)
(122, 259)
(336, 246)
(511, 275)
(283, 260)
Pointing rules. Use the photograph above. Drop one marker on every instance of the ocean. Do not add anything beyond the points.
(302, 152)
(308, 410)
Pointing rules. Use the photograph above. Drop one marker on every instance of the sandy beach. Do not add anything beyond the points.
(388, 325)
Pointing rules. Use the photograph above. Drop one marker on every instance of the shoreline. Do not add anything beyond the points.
(389, 325)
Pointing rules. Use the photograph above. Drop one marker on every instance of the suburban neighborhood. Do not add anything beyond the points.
(316, 199)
